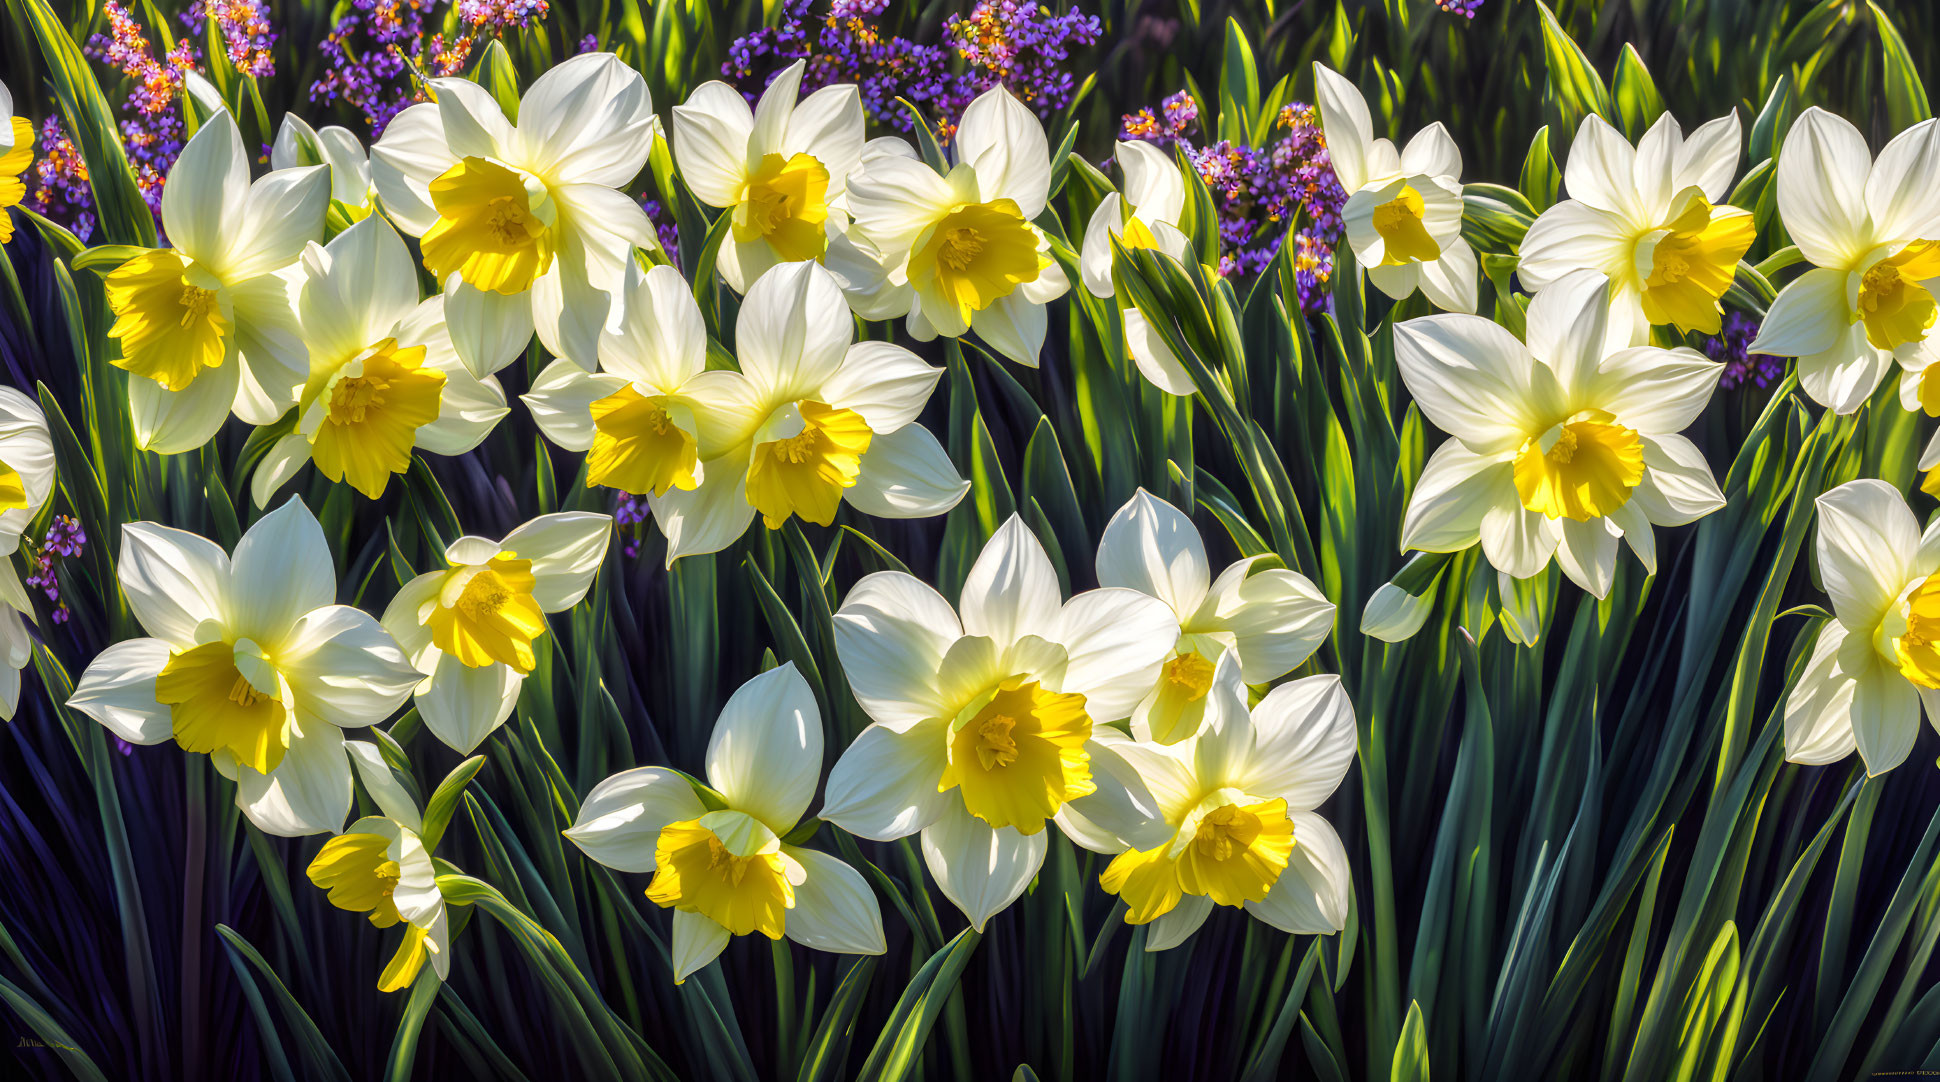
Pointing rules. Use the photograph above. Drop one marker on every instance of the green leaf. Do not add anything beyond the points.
(1575, 89)
(1411, 1051)
(1638, 103)
(1906, 96)
(1541, 179)
(444, 800)
(900, 1046)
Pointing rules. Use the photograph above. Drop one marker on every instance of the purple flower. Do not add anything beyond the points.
(65, 540)
(246, 32)
(663, 227)
(630, 514)
(61, 191)
(1728, 348)
(1465, 8)
(151, 133)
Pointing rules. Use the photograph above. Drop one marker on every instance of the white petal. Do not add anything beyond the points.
(568, 310)
(1115, 641)
(566, 549)
(766, 752)
(894, 200)
(173, 579)
(170, 422)
(1846, 374)
(1154, 358)
(1432, 152)
(118, 690)
(1315, 892)
(1900, 192)
(282, 569)
(1470, 377)
(462, 705)
(1348, 128)
(1818, 710)
(1153, 183)
(209, 177)
(1222, 750)
(474, 124)
(1570, 328)
(1655, 390)
(561, 402)
(1121, 812)
(488, 329)
(711, 142)
(1573, 236)
(1587, 553)
(383, 787)
(1456, 487)
(621, 819)
(410, 155)
(834, 908)
(1278, 618)
(659, 338)
(979, 868)
(284, 212)
(887, 384)
(307, 793)
(1808, 316)
(1004, 142)
(1094, 254)
(1177, 925)
(891, 633)
(1012, 590)
(1885, 717)
(1152, 547)
(1708, 158)
(1677, 487)
(1867, 540)
(793, 331)
(906, 474)
(1600, 169)
(1450, 282)
(697, 941)
(828, 125)
(1015, 326)
(588, 120)
(1517, 541)
(884, 785)
(344, 668)
(1822, 179)
(710, 517)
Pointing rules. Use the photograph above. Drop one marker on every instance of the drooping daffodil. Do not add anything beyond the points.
(298, 144)
(780, 170)
(720, 861)
(824, 420)
(1559, 447)
(1237, 824)
(382, 866)
(1871, 230)
(26, 483)
(209, 325)
(964, 241)
(986, 724)
(1271, 618)
(1875, 667)
(1651, 218)
(526, 225)
(1145, 216)
(473, 627)
(384, 379)
(251, 661)
(1404, 208)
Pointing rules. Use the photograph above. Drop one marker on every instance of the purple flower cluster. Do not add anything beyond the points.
(1019, 45)
(502, 14)
(367, 57)
(630, 514)
(663, 227)
(61, 191)
(65, 540)
(151, 133)
(1729, 348)
(246, 32)
(1465, 8)
(1260, 190)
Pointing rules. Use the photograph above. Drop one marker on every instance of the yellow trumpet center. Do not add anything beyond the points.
(1895, 307)
(1183, 684)
(1020, 757)
(214, 706)
(370, 418)
(13, 163)
(1399, 222)
(1582, 469)
(978, 254)
(1692, 264)
(494, 232)
(1233, 854)
(805, 474)
(785, 202)
(357, 871)
(169, 318)
(13, 488)
(1929, 389)
(485, 614)
(1918, 647)
(639, 447)
(739, 882)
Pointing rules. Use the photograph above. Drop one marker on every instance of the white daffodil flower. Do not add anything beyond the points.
(720, 864)
(987, 727)
(1649, 218)
(471, 627)
(1237, 824)
(1404, 209)
(209, 325)
(964, 243)
(860, 267)
(1146, 216)
(826, 420)
(653, 413)
(1272, 618)
(525, 225)
(1871, 230)
(1560, 446)
(298, 144)
(384, 379)
(26, 482)
(780, 169)
(1875, 667)
(251, 661)
(381, 867)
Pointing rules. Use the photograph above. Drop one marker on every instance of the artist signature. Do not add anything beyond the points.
(36, 1042)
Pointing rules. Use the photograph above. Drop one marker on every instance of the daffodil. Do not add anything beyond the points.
(1651, 219)
(652, 413)
(825, 420)
(384, 379)
(298, 144)
(779, 170)
(250, 661)
(1875, 667)
(1237, 824)
(1271, 618)
(26, 482)
(720, 861)
(1404, 209)
(872, 286)
(964, 242)
(16, 154)
(1145, 216)
(474, 627)
(1871, 230)
(986, 727)
(209, 325)
(1560, 446)
(526, 225)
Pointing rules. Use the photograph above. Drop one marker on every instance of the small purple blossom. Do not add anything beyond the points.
(1729, 348)
(65, 540)
(1465, 8)
(663, 227)
(630, 514)
(152, 129)
(61, 191)
(247, 35)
